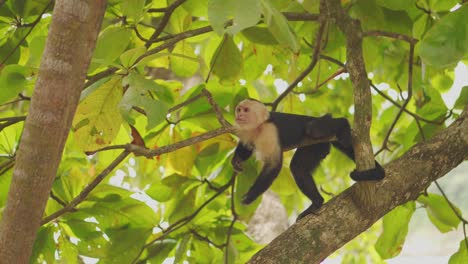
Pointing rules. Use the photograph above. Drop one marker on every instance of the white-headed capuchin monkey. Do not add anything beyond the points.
(271, 133)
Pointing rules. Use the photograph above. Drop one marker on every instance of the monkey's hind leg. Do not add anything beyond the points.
(304, 162)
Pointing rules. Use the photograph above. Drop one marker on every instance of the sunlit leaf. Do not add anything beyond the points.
(461, 256)
(183, 60)
(447, 42)
(129, 57)
(278, 26)
(395, 229)
(133, 9)
(227, 60)
(98, 116)
(13, 80)
(110, 45)
(44, 245)
(244, 14)
(440, 212)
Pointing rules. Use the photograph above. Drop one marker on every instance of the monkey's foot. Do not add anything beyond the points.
(312, 209)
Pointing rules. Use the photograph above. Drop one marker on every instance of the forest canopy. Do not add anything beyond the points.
(145, 173)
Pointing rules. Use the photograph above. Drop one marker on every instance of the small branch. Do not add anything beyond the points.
(377, 33)
(410, 94)
(415, 116)
(58, 200)
(167, 15)
(206, 239)
(463, 220)
(9, 121)
(187, 102)
(85, 192)
(216, 108)
(141, 151)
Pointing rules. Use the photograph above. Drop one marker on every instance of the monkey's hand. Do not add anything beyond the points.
(237, 164)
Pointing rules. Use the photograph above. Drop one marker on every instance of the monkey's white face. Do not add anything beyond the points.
(250, 114)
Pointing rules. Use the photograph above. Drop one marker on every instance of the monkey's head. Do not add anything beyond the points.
(250, 114)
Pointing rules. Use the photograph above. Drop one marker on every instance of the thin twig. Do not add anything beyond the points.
(216, 108)
(182, 222)
(463, 220)
(408, 98)
(167, 15)
(310, 67)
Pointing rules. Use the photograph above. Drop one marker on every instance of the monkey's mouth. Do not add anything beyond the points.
(240, 121)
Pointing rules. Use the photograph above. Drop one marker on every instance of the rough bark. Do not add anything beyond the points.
(70, 43)
(343, 218)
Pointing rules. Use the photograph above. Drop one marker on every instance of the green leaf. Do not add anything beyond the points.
(279, 27)
(111, 43)
(446, 42)
(159, 252)
(13, 80)
(133, 9)
(44, 245)
(462, 100)
(125, 244)
(160, 192)
(99, 110)
(183, 60)
(440, 213)
(129, 57)
(461, 256)
(181, 250)
(139, 94)
(244, 13)
(260, 35)
(395, 229)
(227, 60)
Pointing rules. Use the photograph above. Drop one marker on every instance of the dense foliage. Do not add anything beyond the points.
(168, 71)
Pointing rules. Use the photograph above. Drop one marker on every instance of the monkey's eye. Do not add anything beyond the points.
(246, 109)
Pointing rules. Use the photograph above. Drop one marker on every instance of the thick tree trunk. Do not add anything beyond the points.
(343, 218)
(70, 44)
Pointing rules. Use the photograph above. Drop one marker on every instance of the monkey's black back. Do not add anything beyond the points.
(291, 127)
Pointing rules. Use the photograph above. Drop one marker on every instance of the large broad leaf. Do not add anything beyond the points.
(447, 42)
(133, 9)
(111, 44)
(183, 60)
(245, 13)
(97, 120)
(395, 229)
(13, 80)
(139, 94)
(279, 27)
(227, 60)
(440, 212)
(461, 256)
